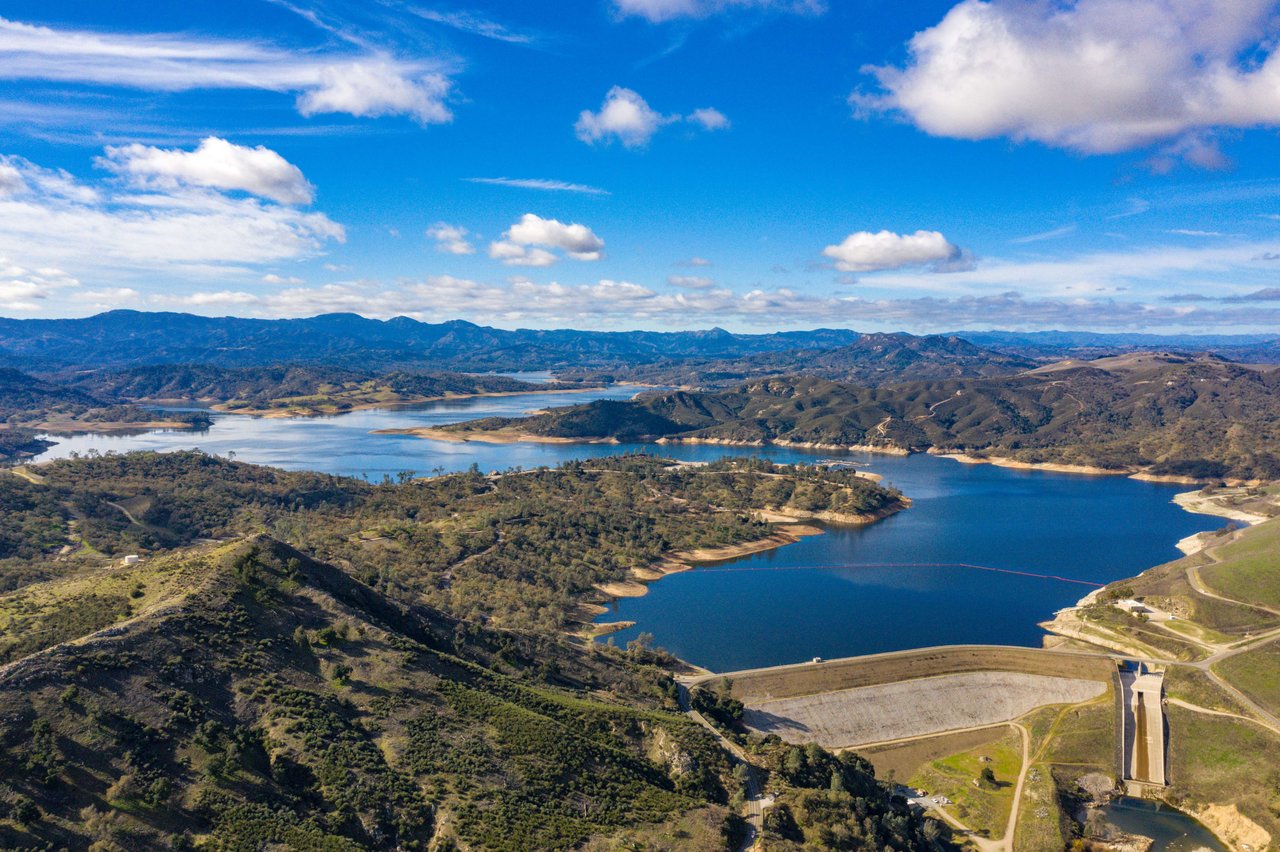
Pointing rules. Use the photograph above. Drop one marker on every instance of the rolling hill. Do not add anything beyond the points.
(302, 661)
(873, 359)
(1168, 414)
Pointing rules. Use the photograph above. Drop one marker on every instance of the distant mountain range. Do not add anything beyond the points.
(1251, 348)
(132, 338)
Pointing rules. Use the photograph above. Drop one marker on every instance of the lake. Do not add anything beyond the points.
(892, 585)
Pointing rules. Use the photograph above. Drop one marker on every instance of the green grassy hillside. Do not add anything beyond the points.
(302, 661)
(260, 696)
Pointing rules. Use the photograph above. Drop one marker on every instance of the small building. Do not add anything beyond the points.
(131, 559)
(1133, 607)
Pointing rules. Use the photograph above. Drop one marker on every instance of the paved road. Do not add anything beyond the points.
(757, 803)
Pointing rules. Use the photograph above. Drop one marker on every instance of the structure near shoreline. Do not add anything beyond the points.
(905, 694)
(1142, 727)
(914, 708)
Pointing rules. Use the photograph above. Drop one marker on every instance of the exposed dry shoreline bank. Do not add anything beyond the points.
(81, 427)
(788, 531)
(488, 436)
(1137, 473)
(1204, 504)
(514, 435)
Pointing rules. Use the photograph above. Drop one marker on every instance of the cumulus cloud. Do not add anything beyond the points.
(215, 163)
(691, 282)
(542, 184)
(451, 239)
(374, 87)
(274, 279)
(867, 251)
(624, 116)
(367, 84)
(1094, 76)
(513, 254)
(627, 118)
(710, 118)
(658, 11)
(55, 219)
(526, 243)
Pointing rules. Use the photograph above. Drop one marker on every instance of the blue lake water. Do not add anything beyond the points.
(889, 589)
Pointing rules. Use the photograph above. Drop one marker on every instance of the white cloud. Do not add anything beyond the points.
(691, 282)
(107, 298)
(1053, 234)
(543, 184)
(470, 22)
(99, 230)
(526, 242)
(666, 10)
(628, 118)
(699, 261)
(276, 280)
(513, 254)
(710, 118)
(217, 164)
(374, 87)
(866, 251)
(1095, 76)
(578, 240)
(221, 298)
(11, 181)
(1146, 272)
(366, 84)
(23, 289)
(623, 303)
(624, 116)
(451, 239)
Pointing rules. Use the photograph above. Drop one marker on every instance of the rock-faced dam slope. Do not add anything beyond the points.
(913, 708)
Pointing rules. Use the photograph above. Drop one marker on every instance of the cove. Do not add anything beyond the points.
(901, 583)
(889, 586)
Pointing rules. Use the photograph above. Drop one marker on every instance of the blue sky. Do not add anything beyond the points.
(753, 164)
